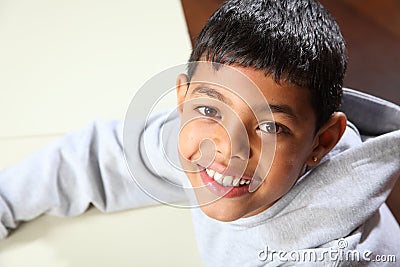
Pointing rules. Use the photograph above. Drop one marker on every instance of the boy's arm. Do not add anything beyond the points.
(83, 168)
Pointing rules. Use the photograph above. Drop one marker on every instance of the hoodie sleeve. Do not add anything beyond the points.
(78, 170)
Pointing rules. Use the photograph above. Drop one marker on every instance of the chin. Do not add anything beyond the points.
(224, 212)
(221, 214)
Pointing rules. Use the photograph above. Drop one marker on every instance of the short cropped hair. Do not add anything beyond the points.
(295, 41)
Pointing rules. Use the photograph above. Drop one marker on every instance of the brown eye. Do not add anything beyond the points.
(208, 111)
(271, 127)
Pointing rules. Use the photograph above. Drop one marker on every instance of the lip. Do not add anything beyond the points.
(220, 190)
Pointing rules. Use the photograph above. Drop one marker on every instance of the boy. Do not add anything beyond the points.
(278, 176)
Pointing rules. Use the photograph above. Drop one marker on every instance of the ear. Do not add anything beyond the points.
(182, 85)
(327, 137)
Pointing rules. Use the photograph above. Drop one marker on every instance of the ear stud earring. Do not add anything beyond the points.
(315, 159)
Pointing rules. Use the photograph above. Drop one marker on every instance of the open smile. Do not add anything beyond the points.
(227, 186)
(227, 180)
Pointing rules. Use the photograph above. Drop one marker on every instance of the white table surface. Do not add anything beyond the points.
(62, 65)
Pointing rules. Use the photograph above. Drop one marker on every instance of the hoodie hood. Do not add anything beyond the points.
(372, 116)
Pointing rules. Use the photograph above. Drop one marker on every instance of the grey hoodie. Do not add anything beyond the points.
(333, 216)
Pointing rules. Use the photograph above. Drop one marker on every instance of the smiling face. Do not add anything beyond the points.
(232, 142)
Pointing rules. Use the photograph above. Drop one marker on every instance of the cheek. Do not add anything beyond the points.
(189, 140)
(290, 159)
(284, 172)
(288, 154)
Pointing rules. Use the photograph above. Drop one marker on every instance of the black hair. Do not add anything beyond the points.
(295, 41)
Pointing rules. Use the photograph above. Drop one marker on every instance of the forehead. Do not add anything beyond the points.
(226, 79)
(252, 86)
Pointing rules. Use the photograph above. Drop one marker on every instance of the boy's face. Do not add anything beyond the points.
(245, 127)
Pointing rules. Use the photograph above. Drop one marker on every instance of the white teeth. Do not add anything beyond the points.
(226, 180)
(218, 177)
(236, 182)
(210, 172)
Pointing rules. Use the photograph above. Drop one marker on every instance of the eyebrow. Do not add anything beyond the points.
(210, 92)
(285, 109)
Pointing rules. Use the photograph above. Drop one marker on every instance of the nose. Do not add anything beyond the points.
(233, 140)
